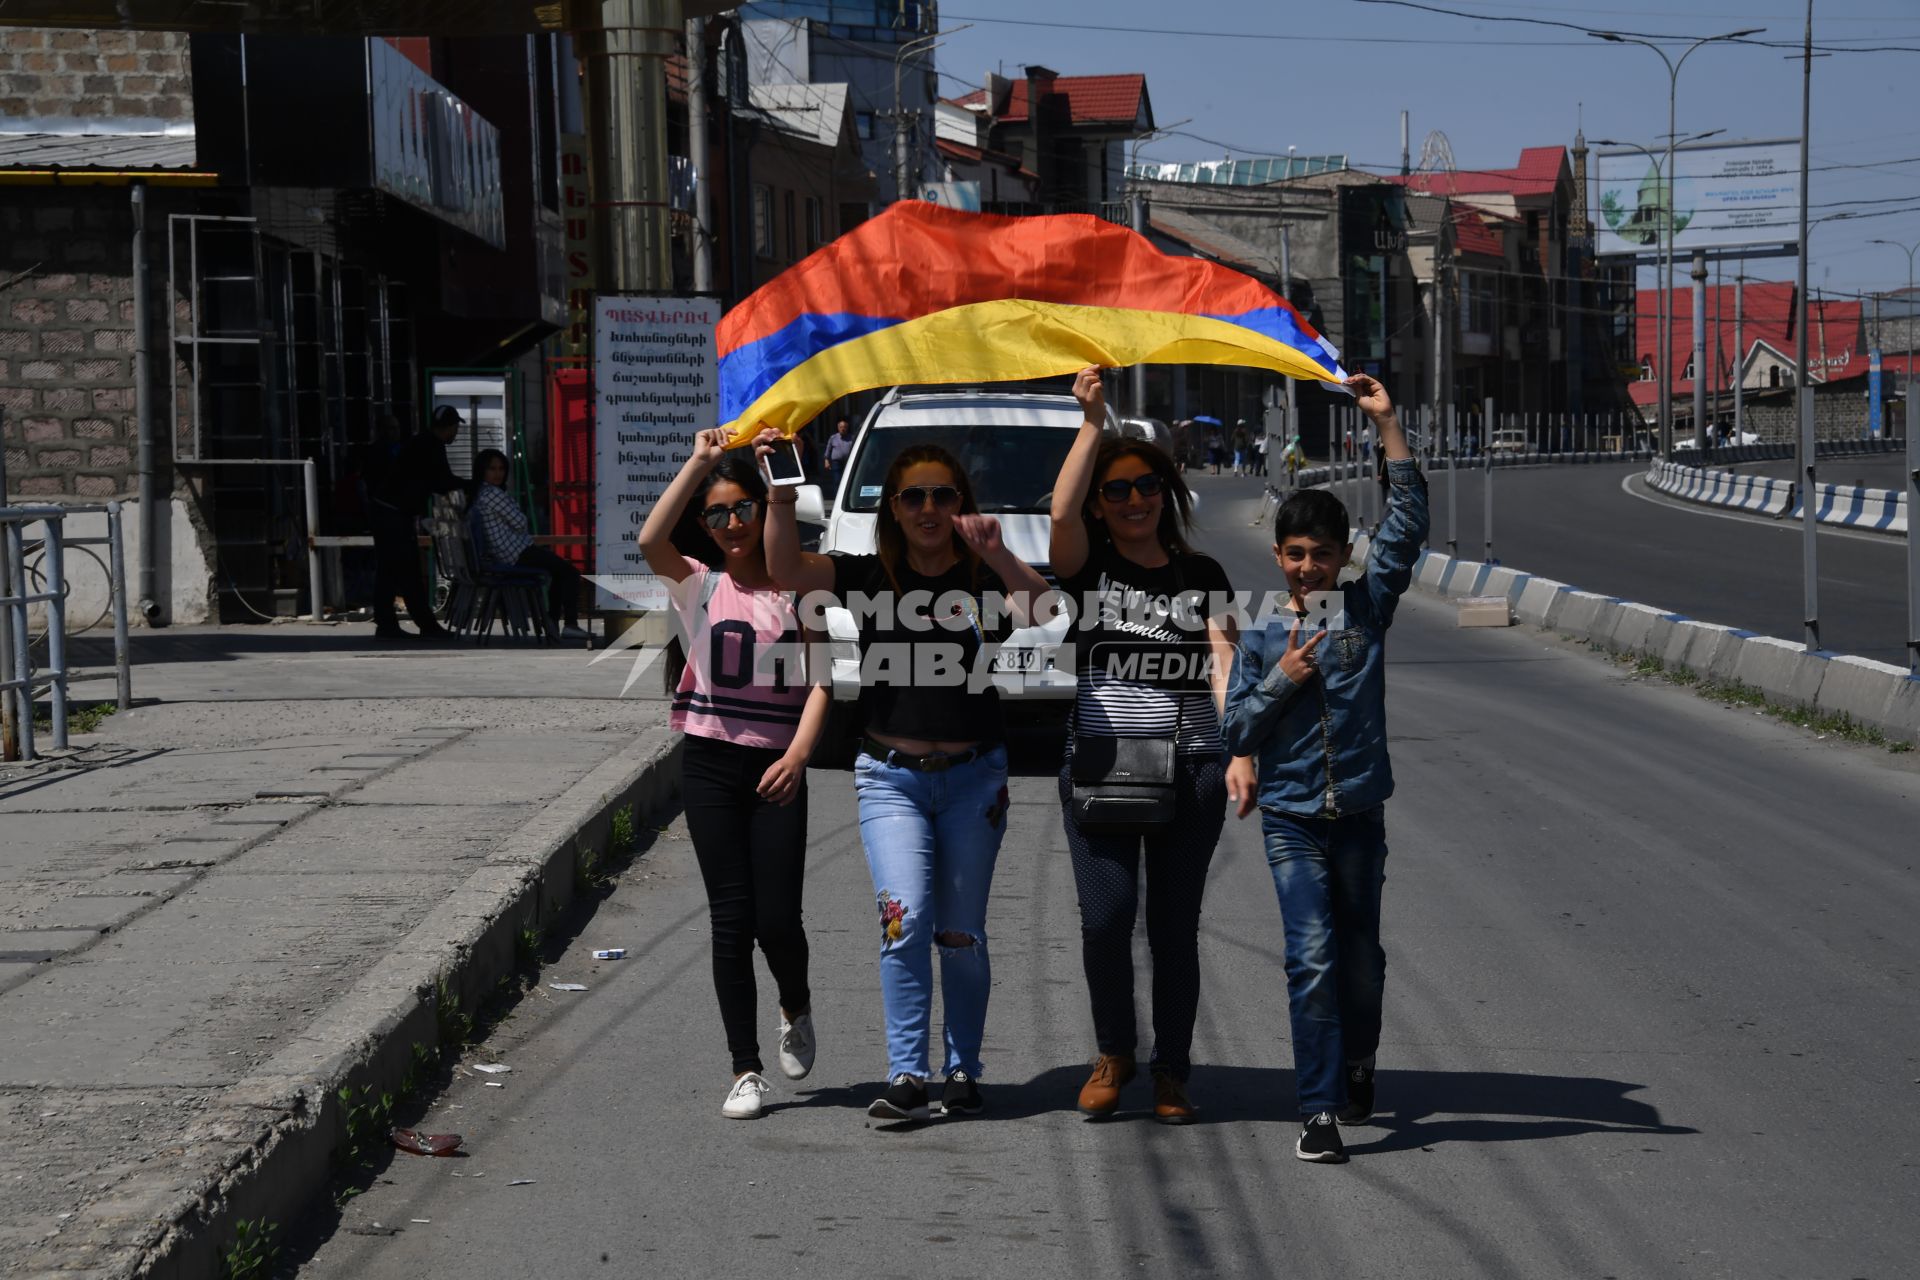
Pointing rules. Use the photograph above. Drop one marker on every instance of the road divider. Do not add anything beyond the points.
(1873, 695)
(1841, 505)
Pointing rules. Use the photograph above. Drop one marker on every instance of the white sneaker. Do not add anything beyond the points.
(747, 1098)
(796, 1047)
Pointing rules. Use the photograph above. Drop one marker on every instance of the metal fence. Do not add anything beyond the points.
(23, 587)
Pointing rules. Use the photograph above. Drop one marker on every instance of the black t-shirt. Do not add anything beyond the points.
(929, 683)
(1144, 661)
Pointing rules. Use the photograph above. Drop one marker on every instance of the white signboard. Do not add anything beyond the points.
(656, 380)
(1723, 197)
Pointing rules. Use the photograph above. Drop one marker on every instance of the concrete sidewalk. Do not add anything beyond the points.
(243, 894)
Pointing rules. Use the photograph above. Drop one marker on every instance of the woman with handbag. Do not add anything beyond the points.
(931, 776)
(1146, 777)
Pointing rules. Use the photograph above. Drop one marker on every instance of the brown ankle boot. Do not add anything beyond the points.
(1100, 1096)
(1171, 1105)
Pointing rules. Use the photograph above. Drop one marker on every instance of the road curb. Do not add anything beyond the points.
(273, 1136)
(1875, 695)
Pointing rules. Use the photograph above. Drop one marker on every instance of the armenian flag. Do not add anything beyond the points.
(924, 294)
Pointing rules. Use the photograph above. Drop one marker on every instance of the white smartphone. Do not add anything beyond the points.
(782, 465)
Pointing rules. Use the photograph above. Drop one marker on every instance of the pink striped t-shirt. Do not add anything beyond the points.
(745, 678)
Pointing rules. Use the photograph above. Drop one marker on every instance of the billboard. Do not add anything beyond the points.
(1728, 196)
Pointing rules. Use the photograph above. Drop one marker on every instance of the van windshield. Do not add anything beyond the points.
(1012, 468)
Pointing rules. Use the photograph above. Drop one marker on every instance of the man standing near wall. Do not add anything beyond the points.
(417, 470)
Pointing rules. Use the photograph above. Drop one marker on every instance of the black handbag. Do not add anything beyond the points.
(1123, 786)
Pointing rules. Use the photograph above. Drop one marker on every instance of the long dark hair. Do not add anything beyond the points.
(889, 539)
(736, 467)
(1176, 500)
(484, 459)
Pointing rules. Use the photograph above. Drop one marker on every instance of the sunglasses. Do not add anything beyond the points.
(1148, 485)
(718, 516)
(944, 497)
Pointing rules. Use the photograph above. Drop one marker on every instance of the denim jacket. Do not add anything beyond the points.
(1322, 746)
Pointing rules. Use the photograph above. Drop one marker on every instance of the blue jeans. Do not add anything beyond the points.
(1328, 873)
(931, 841)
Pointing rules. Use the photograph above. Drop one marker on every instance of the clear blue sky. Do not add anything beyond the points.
(1334, 83)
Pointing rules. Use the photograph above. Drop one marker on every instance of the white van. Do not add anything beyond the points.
(1011, 444)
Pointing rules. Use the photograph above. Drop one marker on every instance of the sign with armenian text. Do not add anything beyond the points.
(655, 382)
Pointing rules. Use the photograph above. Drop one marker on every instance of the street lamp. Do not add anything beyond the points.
(1663, 312)
(1913, 476)
(1666, 282)
(919, 44)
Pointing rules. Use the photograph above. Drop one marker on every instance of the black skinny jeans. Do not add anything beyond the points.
(753, 858)
(396, 570)
(1106, 871)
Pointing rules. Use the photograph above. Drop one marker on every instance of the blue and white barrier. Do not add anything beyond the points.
(1874, 694)
(1842, 505)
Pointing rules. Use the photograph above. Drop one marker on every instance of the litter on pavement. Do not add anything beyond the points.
(611, 953)
(426, 1144)
(568, 986)
(521, 1182)
(493, 1068)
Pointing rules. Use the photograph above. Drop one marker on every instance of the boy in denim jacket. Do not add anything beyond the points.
(1309, 700)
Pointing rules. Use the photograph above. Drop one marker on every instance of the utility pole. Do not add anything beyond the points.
(902, 188)
(1809, 494)
(1739, 355)
(1137, 214)
(1700, 352)
(698, 145)
(1913, 470)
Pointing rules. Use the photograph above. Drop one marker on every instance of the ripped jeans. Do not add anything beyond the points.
(931, 842)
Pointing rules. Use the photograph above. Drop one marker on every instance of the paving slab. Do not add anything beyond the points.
(193, 901)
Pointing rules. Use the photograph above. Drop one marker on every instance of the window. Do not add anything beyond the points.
(1773, 375)
(816, 230)
(793, 227)
(1646, 368)
(1479, 304)
(762, 220)
(1688, 375)
(863, 125)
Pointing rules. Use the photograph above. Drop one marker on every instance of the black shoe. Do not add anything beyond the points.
(1359, 1108)
(382, 633)
(1320, 1141)
(905, 1099)
(961, 1096)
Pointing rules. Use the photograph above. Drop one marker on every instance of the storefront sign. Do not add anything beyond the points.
(656, 381)
(576, 243)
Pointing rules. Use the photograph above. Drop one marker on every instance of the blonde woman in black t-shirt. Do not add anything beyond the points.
(1153, 640)
(932, 604)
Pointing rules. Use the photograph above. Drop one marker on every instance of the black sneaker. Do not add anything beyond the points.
(1359, 1108)
(1320, 1141)
(961, 1096)
(905, 1099)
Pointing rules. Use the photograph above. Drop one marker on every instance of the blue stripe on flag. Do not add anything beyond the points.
(747, 372)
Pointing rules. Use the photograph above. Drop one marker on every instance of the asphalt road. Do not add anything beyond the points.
(1874, 471)
(1581, 526)
(1651, 1011)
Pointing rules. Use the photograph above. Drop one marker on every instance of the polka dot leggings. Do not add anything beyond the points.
(1106, 871)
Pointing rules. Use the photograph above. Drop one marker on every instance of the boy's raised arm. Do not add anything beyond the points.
(1403, 531)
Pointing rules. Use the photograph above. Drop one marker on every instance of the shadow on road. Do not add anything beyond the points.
(1418, 1109)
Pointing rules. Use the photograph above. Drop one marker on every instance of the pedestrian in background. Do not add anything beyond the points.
(751, 710)
(509, 542)
(1121, 518)
(417, 471)
(839, 448)
(1313, 709)
(931, 775)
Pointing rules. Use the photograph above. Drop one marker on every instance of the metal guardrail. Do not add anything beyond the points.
(18, 680)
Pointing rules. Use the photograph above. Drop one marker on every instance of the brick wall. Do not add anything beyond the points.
(66, 338)
(92, 75)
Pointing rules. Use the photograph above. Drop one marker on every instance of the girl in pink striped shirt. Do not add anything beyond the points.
(751, 717)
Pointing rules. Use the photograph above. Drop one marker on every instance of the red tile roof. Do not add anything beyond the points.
(979, 155)
(1834, 345)
(1538, 173)
(1090, 99)
(1472, 234)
